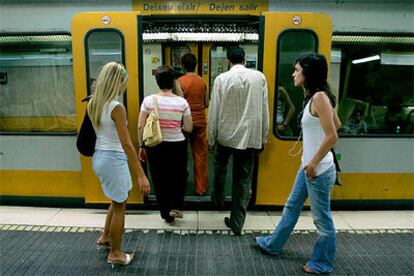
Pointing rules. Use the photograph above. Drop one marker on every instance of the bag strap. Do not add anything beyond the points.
(156, 108)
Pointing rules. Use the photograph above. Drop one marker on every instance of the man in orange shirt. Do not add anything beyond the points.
(195, 92)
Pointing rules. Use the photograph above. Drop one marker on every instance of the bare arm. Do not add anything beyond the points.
(177, 90)
(289, 105)
(337, 121)
(141, 123)
(119, 116)
(188, 123)
(321, 107)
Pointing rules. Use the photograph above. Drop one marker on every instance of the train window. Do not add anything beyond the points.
(176, 54)
(36, 86)
(288, 98)
(218, 62)
(372, 102)
(103, 46)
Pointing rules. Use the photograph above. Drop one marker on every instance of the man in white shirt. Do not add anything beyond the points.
(238, 124)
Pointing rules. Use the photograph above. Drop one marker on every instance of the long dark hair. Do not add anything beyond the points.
(315, 71)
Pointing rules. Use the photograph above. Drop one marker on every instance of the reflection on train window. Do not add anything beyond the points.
(36, 88)
(103, 46)
(177, 53)
(377, 93)
(218, 62)
(288, 98)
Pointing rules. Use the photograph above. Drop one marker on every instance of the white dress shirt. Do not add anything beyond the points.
(238, 115)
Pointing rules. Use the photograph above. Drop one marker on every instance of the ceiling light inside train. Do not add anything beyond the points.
(367, 59)
(231, 37)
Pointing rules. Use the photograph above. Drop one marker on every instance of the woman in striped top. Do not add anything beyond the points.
(168, 160)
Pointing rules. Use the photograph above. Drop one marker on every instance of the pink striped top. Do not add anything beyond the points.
(172, 110)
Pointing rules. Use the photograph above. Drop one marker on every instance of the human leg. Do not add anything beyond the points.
(323, 253)
(117, 232)
(199, 147)
(243, 161)
(111, 167)
(160, 177)
(274, 243)
(221, 159)
(178, 171)
(105, 238)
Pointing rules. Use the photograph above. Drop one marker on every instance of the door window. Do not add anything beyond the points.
(292, 44)
(103, 46)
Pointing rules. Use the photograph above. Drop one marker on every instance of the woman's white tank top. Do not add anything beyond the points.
(106, 135)
(313, 135)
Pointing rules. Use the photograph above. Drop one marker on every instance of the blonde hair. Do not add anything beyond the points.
(111, 83)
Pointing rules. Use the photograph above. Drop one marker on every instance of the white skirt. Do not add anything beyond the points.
(111, 167)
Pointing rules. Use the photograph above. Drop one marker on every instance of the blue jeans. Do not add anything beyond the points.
(318, 190)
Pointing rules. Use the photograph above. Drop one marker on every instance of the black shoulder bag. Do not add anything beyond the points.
(86, 137)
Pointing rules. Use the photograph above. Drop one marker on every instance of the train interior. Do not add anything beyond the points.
(166, 40)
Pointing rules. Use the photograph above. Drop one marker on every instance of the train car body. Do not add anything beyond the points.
(51, 51)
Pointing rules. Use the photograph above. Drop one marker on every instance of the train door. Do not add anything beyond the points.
(98, 38)
(286, 37)
(167, 39)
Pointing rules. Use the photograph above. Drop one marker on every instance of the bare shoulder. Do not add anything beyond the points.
(119, 110)
(320, 97)
(119, 107)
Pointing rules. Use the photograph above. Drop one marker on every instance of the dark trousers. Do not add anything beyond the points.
(243, 161)
(168, 168)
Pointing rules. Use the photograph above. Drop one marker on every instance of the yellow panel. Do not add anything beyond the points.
(62, 123)
(194, 50)
(126, 23)
(41, 183)
(375, 186)
(167, 55)
(276, 169)
(206, 59)
(217, 7)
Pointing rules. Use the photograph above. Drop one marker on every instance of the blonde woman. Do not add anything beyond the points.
(113, 151)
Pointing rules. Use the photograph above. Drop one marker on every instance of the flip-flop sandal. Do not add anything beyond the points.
(308, 270)
(128, 259)
(106, 244)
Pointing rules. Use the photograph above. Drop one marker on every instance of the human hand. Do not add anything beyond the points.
(281, 128)
(142, 154)
(262, 149)
(144, 186)
(310, 171)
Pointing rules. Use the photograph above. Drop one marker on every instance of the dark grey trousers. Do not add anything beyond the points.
(243, 162)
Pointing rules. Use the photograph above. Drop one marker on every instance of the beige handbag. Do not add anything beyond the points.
(152, 130)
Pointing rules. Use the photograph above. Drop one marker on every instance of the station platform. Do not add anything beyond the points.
(59, 241)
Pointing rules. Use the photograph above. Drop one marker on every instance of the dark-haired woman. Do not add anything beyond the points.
(316, 174)
(167, 160)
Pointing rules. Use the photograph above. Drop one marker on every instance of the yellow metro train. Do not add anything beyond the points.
(377, 165)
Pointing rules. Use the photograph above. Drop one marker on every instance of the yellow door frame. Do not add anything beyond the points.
(275, 178)
(125, 23)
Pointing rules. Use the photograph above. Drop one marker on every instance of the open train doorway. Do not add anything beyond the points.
(165, 39)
